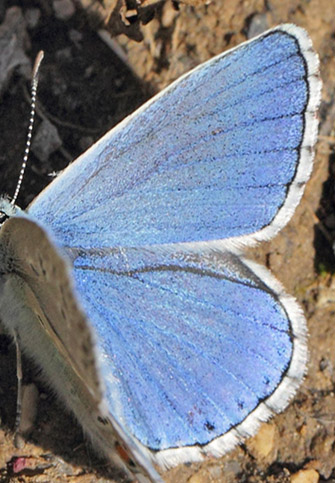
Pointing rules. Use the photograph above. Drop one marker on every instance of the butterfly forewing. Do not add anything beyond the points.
(214, 156)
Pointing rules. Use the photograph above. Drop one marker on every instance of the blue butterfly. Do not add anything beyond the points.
(141, 239)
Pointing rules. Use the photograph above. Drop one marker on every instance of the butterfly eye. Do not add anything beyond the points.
(3, 217)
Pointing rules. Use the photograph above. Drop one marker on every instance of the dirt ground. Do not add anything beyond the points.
(85, 89)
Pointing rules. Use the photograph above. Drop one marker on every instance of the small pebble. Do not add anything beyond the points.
(258, 25)
(305, 476)
(32, 17)
(64, 9)
(19, 464)
(76, 37)
(263, 445)
(168, 16)
(199, 477)
(46, 141)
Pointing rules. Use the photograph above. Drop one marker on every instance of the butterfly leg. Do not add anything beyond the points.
(26, 400)
(19, 383)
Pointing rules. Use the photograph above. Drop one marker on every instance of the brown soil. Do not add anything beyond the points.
(84, 90)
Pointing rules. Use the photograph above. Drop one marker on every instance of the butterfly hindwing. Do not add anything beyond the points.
(185, 351)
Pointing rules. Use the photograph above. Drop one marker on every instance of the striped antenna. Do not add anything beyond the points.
(34, 83)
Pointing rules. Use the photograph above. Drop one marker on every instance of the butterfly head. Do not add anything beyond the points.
(8, 209)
